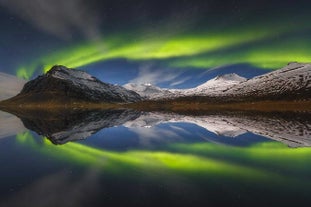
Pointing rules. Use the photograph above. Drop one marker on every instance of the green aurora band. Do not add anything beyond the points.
(263, 46)
(257, 164)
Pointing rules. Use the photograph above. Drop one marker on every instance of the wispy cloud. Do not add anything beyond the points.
(57, 17)
(178, 82)
(214, 69)
(148, 74)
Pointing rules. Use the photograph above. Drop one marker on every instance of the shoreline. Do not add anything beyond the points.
(163, 105)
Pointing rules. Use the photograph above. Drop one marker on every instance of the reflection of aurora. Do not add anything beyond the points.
(256, 164)
(252, 45)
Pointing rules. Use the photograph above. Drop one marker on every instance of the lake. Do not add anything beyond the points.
(132, 158)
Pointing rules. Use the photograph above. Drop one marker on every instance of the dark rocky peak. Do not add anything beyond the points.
(62, 82)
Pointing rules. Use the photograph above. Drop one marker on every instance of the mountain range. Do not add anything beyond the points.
(63, 85)
(290, 82)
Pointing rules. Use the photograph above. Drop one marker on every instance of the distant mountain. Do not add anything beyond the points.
(148, 90)
(62, 83)
(292, 82)
(213, 86)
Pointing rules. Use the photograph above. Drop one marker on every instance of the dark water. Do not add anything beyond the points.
(130, 158)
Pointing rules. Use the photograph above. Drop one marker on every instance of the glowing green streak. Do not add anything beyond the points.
(151, 49)
(157, 47)
(272, 56)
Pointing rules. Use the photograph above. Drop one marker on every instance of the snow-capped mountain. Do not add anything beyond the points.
(74, 84)
(291, 82)
(212, 87)
(148, 90)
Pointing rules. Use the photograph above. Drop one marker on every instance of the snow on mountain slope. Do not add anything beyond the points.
(212, 87)
(148, 90)
(292, 80)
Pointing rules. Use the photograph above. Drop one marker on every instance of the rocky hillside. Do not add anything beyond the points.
(62, 83)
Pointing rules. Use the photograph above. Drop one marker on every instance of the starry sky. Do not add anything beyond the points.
(177, 44)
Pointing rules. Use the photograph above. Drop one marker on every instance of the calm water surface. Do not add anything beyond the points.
(130, 158)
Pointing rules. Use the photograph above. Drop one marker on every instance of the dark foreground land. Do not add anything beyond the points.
(177, 106)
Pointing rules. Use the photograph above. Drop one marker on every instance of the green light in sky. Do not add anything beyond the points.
(269, 55)
(154, 48)
(252, 44)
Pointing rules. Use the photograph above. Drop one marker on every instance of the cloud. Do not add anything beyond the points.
(9, 86)
(154, 76)
(178, 82)
(57, 17)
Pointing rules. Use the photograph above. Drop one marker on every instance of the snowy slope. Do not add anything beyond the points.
(212, 87)
(148, 90)
(292, 80)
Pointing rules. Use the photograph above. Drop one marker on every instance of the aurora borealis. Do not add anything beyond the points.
(187, 35)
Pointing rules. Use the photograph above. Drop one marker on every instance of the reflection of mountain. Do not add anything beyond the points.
(79, 125)
(293, 129)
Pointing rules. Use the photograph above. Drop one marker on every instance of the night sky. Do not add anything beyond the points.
(177, 43)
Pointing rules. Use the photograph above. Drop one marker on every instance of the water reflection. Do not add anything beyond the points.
(293, 129)
(79, 172)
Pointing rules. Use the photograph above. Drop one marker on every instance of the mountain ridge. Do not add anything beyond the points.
(290, 82)
(63, 82)
(63, 85)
